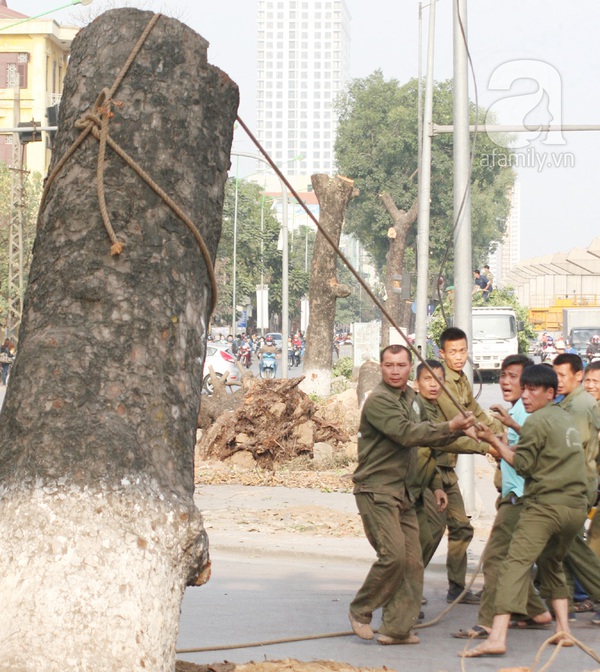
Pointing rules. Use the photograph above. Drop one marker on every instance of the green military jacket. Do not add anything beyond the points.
(549, 456)
(392, 426)
(426, 474)
(583, 408)
(447, 455)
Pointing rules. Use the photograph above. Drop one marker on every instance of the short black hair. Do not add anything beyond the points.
(570, 358)
(433, 364)
(511, 360)
(395, 349)
(540, 375)
(452, 334)
(486, 266)
(592, 366)
(477, 271)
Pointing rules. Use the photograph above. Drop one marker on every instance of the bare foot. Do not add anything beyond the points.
(486, 648)
(563, 638)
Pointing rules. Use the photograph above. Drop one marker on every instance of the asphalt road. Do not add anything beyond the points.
(254, 597)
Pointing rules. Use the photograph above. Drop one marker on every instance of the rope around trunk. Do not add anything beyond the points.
(96, 123)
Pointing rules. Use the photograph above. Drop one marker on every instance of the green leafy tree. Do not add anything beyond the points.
(377, 146)
(256, 253)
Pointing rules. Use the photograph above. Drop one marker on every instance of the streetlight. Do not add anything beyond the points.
(50, 11)
(285, 331)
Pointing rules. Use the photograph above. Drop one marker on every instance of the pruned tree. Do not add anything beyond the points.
(377, 145)
(334, 194)
(99, 531)
(394, 263)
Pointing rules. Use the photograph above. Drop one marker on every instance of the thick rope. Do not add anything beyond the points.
(96, 122)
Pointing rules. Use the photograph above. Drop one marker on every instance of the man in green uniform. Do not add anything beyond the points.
(391, 428)
(581, 562)
(444, 477)
(550, 458)
(591, 383)
(454, 352)
(426, 487)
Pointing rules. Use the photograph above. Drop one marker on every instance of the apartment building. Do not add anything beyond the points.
(33, 63)
(303, 50)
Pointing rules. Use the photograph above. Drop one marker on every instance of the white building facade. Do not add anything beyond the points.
(303, 52)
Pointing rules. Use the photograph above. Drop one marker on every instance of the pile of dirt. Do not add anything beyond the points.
(275, 423)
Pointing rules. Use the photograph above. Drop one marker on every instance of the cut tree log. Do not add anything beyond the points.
(99, 531)
(395, 305)
(334, 194)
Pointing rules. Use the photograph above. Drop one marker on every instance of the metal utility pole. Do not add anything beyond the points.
(15, 232)
(463, 281)
(234, 273)
(425, 196)
(285, 330)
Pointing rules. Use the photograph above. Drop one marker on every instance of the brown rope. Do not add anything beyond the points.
(96, 122)
(350, 267)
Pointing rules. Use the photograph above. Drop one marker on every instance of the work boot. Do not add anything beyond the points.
(468, 598)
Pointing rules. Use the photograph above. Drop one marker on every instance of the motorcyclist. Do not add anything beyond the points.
(270, 348)
(593, 349)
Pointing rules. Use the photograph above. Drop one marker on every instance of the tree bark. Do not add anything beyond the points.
(334, 194)
(99, 531)
(395, 305)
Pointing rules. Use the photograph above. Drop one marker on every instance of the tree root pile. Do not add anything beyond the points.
(275, 422)
(286, 665)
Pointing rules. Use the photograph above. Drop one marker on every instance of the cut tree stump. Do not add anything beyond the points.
(334, 194)
(99, 531)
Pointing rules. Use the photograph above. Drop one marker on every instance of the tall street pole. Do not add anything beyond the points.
(425, 196)
(285, 330)
(463, 273)
(234, 274)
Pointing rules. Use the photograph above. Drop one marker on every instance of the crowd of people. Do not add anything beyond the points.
(540, 564)
(245, 346)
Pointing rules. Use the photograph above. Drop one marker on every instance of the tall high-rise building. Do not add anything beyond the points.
(303, 62)
(508, 252)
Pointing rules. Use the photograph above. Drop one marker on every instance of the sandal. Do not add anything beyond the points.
(476, 632)
(582, 606)
(528, 624)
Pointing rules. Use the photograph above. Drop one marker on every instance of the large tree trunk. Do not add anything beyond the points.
(334, 194)
(395, 305)
(99, 531)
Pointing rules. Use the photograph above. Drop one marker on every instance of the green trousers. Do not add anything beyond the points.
(395, 580)
(583, 564)
(543, 533)
(460, 530)
(509, 510)
(431, 525)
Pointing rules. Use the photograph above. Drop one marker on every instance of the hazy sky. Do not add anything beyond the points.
(534, 60)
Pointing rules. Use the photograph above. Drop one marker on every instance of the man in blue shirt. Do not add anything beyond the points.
(509, 506)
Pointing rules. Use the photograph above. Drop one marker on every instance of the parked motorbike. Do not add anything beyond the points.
(268, 365)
